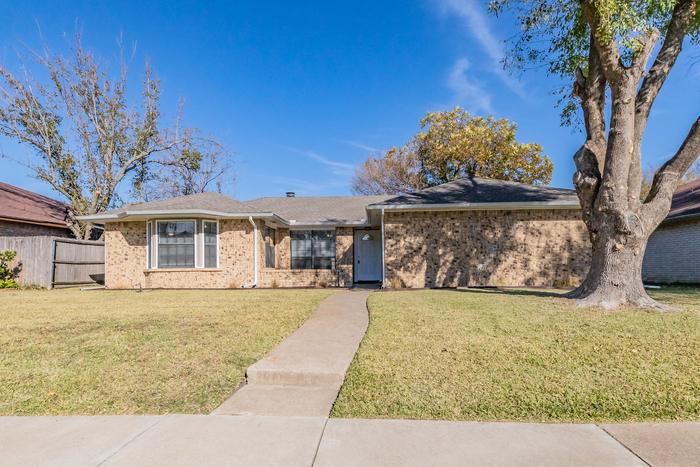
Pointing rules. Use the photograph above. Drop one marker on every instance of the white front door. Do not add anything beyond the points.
(368, 255)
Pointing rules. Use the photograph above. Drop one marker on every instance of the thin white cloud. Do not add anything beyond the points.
(325, 161)
(468, 93)
(473, 14)
(358, 145)
(317, 157)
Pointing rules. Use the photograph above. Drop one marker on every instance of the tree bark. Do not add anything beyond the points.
(608, 169)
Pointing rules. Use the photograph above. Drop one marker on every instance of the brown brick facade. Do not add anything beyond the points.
(485, 248)
(672, 253)
(126, 248)
(23, 229)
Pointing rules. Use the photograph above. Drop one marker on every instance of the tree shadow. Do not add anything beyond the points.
(501, 248)
(515, 292)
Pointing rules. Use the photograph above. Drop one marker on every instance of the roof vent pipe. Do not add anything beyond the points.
(290, 194)
(255, 254)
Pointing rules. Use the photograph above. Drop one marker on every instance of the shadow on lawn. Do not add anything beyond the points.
(514, 292)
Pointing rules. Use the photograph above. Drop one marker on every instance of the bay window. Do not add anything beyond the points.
(313, 249)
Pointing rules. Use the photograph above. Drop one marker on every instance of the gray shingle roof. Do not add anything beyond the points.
(201, 201)
(317, 208)
(474, 190)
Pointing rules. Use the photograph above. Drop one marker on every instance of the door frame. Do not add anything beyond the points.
(357, 235)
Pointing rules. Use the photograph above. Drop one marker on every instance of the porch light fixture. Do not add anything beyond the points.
(366, 237)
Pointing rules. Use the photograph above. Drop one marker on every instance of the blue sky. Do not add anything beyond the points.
(303, 91)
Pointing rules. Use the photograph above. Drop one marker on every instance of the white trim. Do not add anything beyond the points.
(172, 212)
(149, 252)
(477, 206)
(383, 259)
(255, 254)
(158, 239)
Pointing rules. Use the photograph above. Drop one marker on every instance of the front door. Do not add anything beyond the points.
(368, 255)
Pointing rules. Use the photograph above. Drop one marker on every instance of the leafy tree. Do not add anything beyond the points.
(82, 135)
(452, 144)
(693, 173)
(605, 47)
(396, 172)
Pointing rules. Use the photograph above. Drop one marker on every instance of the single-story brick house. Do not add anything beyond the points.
(673, 251)
(471, 231)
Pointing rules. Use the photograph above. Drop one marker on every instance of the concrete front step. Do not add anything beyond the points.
(286, 401)
(303, 374)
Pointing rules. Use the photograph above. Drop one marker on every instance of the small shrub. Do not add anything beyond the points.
(7, 279)
(274, 284)
(323, 283)
(395, 283)
(233, 285)
(32, 287)
(566, 281)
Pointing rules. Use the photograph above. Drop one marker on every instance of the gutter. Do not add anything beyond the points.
(255, 254)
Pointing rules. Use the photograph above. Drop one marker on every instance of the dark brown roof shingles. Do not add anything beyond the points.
(24, 205)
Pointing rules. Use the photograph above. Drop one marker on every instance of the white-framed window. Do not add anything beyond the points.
(176, 243)
(149, 262)
(211, 244)
(313, 249)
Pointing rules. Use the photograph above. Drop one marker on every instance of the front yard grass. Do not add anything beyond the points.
(517, 355)
(124, 352)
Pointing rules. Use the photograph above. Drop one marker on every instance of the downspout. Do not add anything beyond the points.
(255, 254)
(383, 259)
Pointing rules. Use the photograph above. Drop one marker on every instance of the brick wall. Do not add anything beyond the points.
(22, 229)
(673, 253)
(486, 248)
(127, 248)
(342, 276)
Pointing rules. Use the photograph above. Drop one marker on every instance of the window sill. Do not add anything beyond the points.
(149, 271)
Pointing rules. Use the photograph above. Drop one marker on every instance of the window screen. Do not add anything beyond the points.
(313, 249)
(176, 244)
(210, 244)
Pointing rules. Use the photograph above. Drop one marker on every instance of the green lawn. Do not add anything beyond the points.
(516, 355)
(124, 352)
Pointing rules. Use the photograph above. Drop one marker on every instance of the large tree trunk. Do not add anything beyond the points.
(615, 275)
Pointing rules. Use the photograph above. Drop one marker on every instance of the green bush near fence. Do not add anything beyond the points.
(7, 279)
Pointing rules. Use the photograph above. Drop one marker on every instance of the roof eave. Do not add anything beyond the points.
(170, 213)
(477, 206)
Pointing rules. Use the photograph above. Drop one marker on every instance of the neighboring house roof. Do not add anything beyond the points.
(21, 205)
(685, 201)
(318, 209)
(474, 192)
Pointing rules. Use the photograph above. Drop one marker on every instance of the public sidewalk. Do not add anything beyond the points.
(224, 440)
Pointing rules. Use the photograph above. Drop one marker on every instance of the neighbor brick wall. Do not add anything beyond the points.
(22, 229)
(673, 253)
(486, 248)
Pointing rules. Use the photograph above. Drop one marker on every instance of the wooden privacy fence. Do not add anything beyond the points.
(55, 262)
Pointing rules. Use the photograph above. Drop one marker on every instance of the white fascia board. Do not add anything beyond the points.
(169, 213)
(476, 206)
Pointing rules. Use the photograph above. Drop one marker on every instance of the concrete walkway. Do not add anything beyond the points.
(221, 440)
(303, 374)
